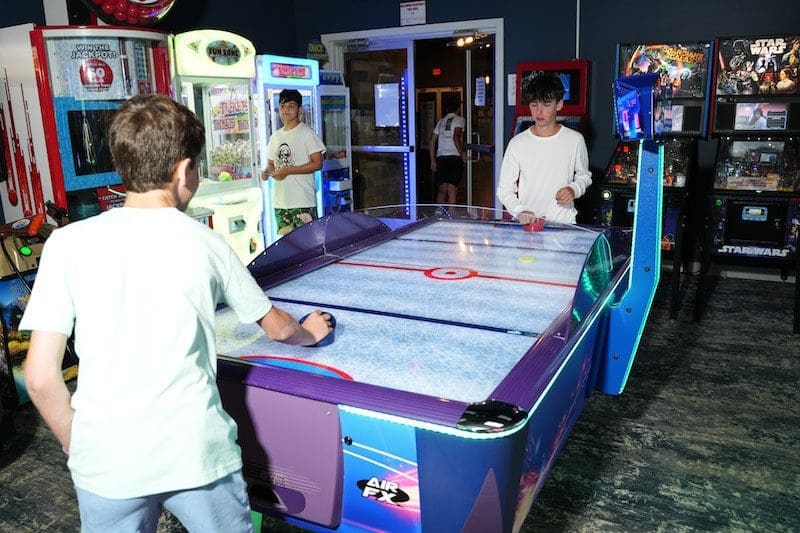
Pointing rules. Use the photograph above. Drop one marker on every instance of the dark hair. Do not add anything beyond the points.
(149, 135)
(290, 95)
(542, 87)
(452, 103)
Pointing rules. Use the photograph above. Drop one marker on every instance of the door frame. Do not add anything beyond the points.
(336, 45)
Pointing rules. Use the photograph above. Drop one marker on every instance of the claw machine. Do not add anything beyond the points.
(213, 72)
(333, 102)
(274, 74)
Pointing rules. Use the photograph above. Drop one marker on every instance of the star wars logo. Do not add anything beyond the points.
(768, 46)
(753, 251)
(382, 490)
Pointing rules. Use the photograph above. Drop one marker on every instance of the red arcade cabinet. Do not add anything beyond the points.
(61, 86)
(574, 74)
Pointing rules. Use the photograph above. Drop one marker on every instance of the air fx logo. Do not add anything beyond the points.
(382, 490)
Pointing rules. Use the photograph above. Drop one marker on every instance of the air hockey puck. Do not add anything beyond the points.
(536, 225)
(327, 339)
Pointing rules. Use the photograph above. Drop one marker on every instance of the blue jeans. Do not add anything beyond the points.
(221, 506)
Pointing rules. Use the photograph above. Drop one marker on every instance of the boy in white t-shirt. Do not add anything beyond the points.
(546, 167)
(294, 153)
(140, 284)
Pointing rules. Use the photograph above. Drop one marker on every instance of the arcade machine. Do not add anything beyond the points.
(21, 244)
(680, 120)
(61, 86)
(213, 72)
(574, 76)
(274, 74)
(333, 102)
(754, 208)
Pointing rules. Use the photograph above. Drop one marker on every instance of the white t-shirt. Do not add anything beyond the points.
(445, 145)
(543, 165)
(294, 148)
(141, 287)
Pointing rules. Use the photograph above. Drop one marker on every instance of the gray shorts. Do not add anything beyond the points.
(221, 506)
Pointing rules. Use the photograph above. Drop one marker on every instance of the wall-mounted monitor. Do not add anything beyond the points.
(574, 75)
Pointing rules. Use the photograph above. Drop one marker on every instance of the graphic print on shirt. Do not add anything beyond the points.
(284, 157)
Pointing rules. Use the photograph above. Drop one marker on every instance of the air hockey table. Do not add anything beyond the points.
(464, 351)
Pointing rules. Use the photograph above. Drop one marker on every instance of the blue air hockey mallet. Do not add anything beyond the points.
(327, 339)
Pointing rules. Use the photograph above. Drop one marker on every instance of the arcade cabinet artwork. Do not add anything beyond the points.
(213, 73)
(680, 120)
(274, 74)
(61, 86)
(21, 242)
(574, 76)
(754, 207)
(333, 102)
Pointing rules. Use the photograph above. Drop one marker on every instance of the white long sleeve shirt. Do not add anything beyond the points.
(534, 168)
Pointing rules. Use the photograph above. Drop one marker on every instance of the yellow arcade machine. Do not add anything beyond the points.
(213, 72)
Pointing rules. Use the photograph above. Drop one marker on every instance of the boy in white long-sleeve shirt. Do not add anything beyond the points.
(546, 167)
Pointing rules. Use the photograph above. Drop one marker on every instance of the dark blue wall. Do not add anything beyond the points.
(271, 33)
(543, 31)
(22, 13)
(534, 31)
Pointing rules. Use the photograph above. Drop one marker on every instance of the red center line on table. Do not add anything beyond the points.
(475, 275)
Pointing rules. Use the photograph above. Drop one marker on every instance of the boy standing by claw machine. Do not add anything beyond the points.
(294, 153)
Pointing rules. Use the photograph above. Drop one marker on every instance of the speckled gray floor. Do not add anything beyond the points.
(706, 435)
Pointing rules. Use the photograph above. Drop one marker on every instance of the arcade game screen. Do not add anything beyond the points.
(768, 65)
(761, 116)
(762, 165)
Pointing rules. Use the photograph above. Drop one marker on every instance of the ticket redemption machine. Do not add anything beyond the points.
(753, 215)
(61, 87)
(333, 102)
(680, 120)
(274, 74)
(574, 75)
(213, 72)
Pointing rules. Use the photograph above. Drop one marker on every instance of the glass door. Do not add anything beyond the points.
(479, 114)
(384, 160)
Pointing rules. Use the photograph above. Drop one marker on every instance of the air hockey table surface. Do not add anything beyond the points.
(453, 335)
